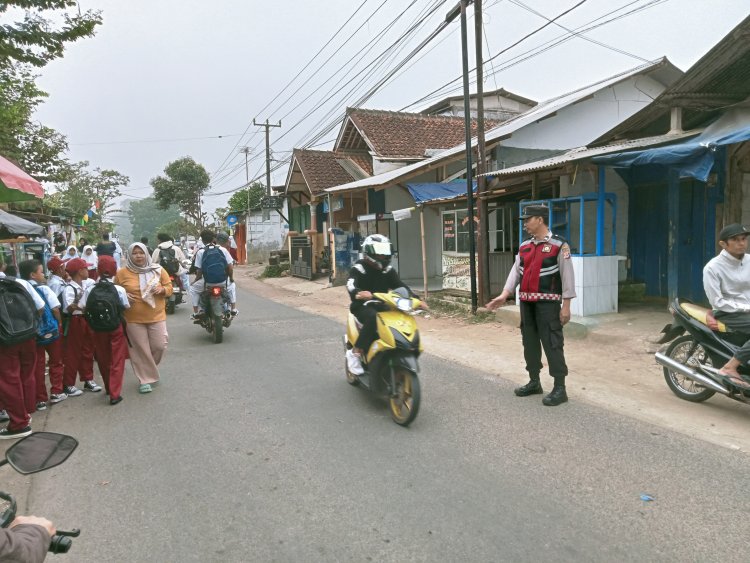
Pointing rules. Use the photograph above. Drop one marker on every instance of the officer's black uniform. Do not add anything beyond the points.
(364, 276)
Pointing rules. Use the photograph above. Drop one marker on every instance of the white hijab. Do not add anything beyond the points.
(91, 259)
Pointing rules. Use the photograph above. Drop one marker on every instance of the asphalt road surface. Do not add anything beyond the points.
(257, 450)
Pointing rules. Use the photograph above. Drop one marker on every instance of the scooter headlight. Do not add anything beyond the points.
(404, 305)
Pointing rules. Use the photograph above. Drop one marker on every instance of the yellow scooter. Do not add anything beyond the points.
(391, 362)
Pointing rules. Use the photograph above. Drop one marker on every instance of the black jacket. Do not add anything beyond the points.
(364, 277)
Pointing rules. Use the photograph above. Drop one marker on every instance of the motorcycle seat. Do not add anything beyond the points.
(701, 314)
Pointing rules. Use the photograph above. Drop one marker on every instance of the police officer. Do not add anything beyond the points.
(544, 271)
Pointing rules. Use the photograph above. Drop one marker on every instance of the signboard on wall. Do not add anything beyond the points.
(449, 232)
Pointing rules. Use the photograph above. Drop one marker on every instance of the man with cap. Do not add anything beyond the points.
(78, 347)
(726, 281)
(545, 274)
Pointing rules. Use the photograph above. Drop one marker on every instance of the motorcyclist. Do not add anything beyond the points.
(373, 273)
(26, 539)
(166, 242)
(208, 238)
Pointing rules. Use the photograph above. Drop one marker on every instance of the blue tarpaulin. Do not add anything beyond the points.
(693, 158)
(423, 193)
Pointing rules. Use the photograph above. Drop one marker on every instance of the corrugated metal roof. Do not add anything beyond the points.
(582, 153)
(719, 79)
(538, 112)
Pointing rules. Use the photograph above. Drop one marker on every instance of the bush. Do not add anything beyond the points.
(275, 270)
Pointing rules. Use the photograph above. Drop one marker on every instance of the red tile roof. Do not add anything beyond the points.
(393, 134)
(320, 169)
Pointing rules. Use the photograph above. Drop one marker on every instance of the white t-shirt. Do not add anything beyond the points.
(120, 292)
(55, 283)
(49, 295)
(73, 290)
(38, 301)
(199, 256)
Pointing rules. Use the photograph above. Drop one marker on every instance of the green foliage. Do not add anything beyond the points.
(38, 149)
(275, 270)
(183, 184)
(79, 188)
(146, 218)
(252, 195)
(37, 39)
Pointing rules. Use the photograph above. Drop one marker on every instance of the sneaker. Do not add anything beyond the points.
(41, 406)
(354, 363)
(6, 434)
(54, 398)
(144, 388)
(4, 416)
(92, 386)
(72, 391)
(235, 312)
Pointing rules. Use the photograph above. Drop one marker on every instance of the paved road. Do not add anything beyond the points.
(258, 450)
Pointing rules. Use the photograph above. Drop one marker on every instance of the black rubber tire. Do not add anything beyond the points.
(680, 385)
(170, 307)
(218, 332)
(405, 407)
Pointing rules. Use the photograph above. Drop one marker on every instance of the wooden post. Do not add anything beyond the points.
(424, 249)
(673, 218)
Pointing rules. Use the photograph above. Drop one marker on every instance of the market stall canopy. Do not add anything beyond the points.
(12, 226)
(16, 185)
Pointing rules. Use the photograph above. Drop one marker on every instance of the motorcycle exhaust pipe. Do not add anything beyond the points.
(670, 364)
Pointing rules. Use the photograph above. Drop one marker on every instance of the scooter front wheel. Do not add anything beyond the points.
(684, 387)
(404, 400)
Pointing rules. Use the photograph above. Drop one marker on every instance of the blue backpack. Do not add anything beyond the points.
(47, 330)
(214, 265)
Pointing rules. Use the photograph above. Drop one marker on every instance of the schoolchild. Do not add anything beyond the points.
(110, 346)
(17, 382)
(78, 355)
(57, 275)
(32, 271)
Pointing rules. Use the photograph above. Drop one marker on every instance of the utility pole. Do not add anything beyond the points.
(246, 151)
(469, 183)
(484, 234)
(268, 151)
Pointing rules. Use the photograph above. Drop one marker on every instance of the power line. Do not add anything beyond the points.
(176, 139)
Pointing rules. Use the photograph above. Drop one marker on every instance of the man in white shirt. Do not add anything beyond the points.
(726, 281)
(17, 381)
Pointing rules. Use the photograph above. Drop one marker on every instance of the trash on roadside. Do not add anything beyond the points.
(647, 498)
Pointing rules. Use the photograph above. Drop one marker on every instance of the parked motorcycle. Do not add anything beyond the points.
(38, 452)
(177, 294)
(217, 311)
(692, 361)
(391, 362)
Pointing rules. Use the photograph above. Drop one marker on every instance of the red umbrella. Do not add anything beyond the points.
(16, 184)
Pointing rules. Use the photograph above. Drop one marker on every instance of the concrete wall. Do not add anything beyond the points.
(746, 199)
(268, 235)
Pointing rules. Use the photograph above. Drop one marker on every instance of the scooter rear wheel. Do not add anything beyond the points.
(218, 332)
(170, 307)
(684, 387)
(404, 401)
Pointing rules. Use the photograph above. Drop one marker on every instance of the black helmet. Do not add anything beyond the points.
(377, 250)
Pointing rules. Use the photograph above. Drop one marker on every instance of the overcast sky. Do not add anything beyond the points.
(163, 78)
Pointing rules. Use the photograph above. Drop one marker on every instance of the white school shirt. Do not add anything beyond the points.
(38, 301)
(199, 256)
(55, 283)
(48, 295)
(71, 290)
(120, 292)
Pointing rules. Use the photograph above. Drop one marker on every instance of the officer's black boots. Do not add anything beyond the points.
(533, 387)
(556, 397)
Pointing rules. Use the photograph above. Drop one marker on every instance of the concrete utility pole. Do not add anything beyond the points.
(268, 151)
(484, 224)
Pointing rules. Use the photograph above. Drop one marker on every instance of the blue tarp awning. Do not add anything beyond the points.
(693, 158)
(423, 193)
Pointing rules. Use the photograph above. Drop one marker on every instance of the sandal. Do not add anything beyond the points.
(736, 381)
(146, 388)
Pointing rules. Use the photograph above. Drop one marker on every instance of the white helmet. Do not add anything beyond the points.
(377, 250)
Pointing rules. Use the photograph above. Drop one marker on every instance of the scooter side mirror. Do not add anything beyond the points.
(40, 451)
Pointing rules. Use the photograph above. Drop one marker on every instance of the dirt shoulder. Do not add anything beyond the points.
(612, 367)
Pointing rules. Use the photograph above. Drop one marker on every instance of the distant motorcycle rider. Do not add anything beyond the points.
(371, 274)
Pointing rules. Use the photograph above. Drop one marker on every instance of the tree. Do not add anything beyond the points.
(38, 149)
(37, 39)
(146, 217)
(81, 188)
(183, 185)
(252, 195)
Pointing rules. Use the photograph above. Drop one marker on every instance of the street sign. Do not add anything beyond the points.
(231, 220)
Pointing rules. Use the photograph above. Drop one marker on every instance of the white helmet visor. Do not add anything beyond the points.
(381, 248)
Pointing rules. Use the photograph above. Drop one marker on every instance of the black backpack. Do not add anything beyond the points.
(18, 315)
(168, 260)
(103, 308)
